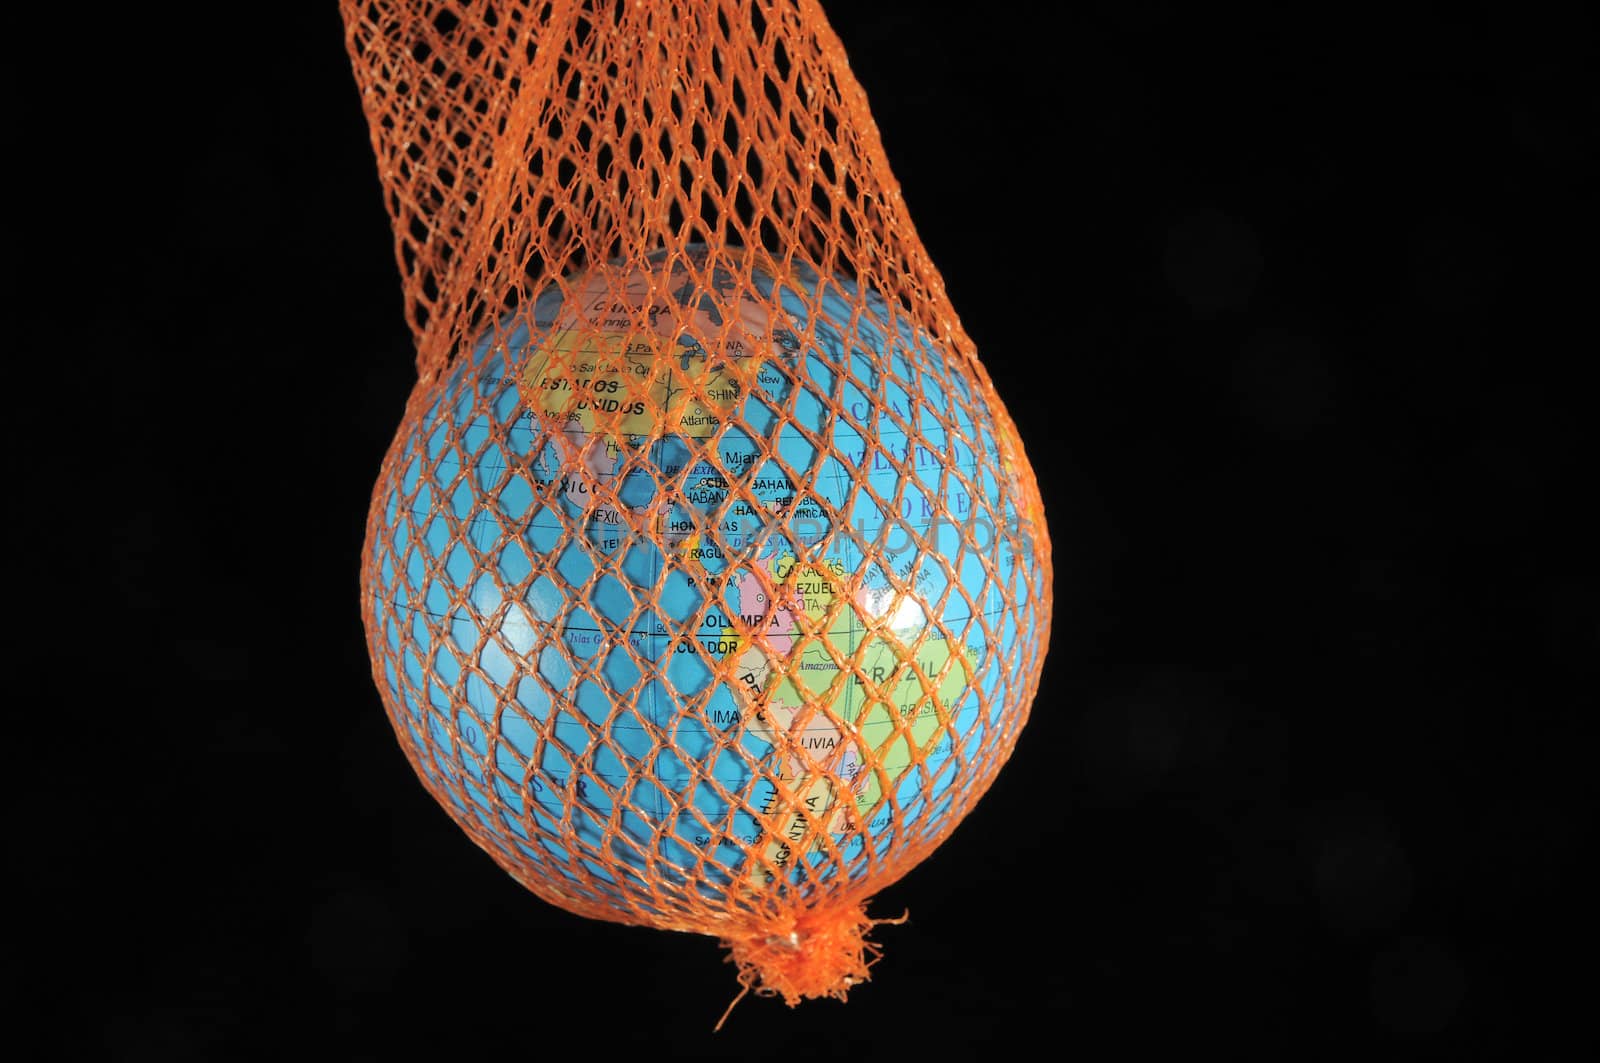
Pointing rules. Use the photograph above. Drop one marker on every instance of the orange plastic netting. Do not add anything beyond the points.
(706, 582)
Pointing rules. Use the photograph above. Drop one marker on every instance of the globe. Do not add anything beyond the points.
(692, 585)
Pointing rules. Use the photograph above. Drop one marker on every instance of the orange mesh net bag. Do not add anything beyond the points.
(706, 582)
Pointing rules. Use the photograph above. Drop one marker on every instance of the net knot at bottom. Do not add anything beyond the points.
(812, 952)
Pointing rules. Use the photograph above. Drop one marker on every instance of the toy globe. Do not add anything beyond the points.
(709, 593)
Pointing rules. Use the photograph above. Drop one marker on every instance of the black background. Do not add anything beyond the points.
(1284, 307)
